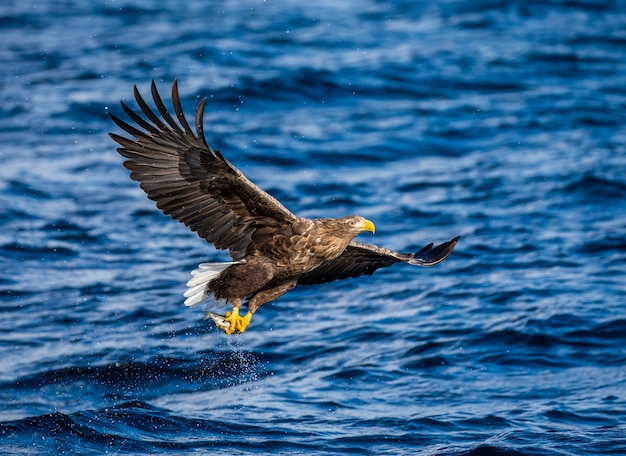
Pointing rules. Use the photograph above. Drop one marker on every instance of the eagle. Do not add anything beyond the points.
(272, 249)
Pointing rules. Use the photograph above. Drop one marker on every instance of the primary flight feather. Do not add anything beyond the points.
(272, 249)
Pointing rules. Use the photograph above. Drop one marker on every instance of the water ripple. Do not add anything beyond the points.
(499, 122)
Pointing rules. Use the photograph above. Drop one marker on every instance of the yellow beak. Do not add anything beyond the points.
(366, 225)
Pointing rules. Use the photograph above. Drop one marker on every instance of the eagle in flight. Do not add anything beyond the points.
(272, 249)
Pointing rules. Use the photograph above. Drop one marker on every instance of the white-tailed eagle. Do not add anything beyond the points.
(272, 249)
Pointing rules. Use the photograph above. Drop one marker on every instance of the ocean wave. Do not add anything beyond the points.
(502, 122)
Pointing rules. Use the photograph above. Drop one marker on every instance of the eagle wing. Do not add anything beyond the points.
(359, 258)
(191, 182)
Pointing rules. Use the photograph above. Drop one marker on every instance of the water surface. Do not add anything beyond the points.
(499, 121)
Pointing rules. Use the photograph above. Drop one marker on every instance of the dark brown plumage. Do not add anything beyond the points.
(272, 249)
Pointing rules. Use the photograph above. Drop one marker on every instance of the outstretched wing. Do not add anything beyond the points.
(360, 259)
(191, 182)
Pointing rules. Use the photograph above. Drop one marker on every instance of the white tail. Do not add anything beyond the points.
(196, 291)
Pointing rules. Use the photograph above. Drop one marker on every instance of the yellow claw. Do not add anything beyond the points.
(236, 323)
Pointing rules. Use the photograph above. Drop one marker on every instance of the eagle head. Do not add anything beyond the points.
(356, 223)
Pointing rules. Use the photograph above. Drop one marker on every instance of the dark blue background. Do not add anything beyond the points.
(500, 121)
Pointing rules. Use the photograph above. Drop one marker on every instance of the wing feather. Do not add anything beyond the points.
(147, 111)
(138, 119)
(191, 182)
(359, 259)
(162, 109)
(200, 124)
(178, 110)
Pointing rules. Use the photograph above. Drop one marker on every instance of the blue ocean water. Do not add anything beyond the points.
(500, 121)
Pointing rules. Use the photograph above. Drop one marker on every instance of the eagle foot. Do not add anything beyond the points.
(232, 321)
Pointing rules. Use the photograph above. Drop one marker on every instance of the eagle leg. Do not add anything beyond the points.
(235, 322)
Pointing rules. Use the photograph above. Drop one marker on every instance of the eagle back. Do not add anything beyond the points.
(301, 246)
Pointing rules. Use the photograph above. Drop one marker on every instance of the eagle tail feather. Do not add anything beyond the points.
(197, 285)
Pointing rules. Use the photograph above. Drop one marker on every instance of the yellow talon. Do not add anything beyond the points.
(236, 323)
